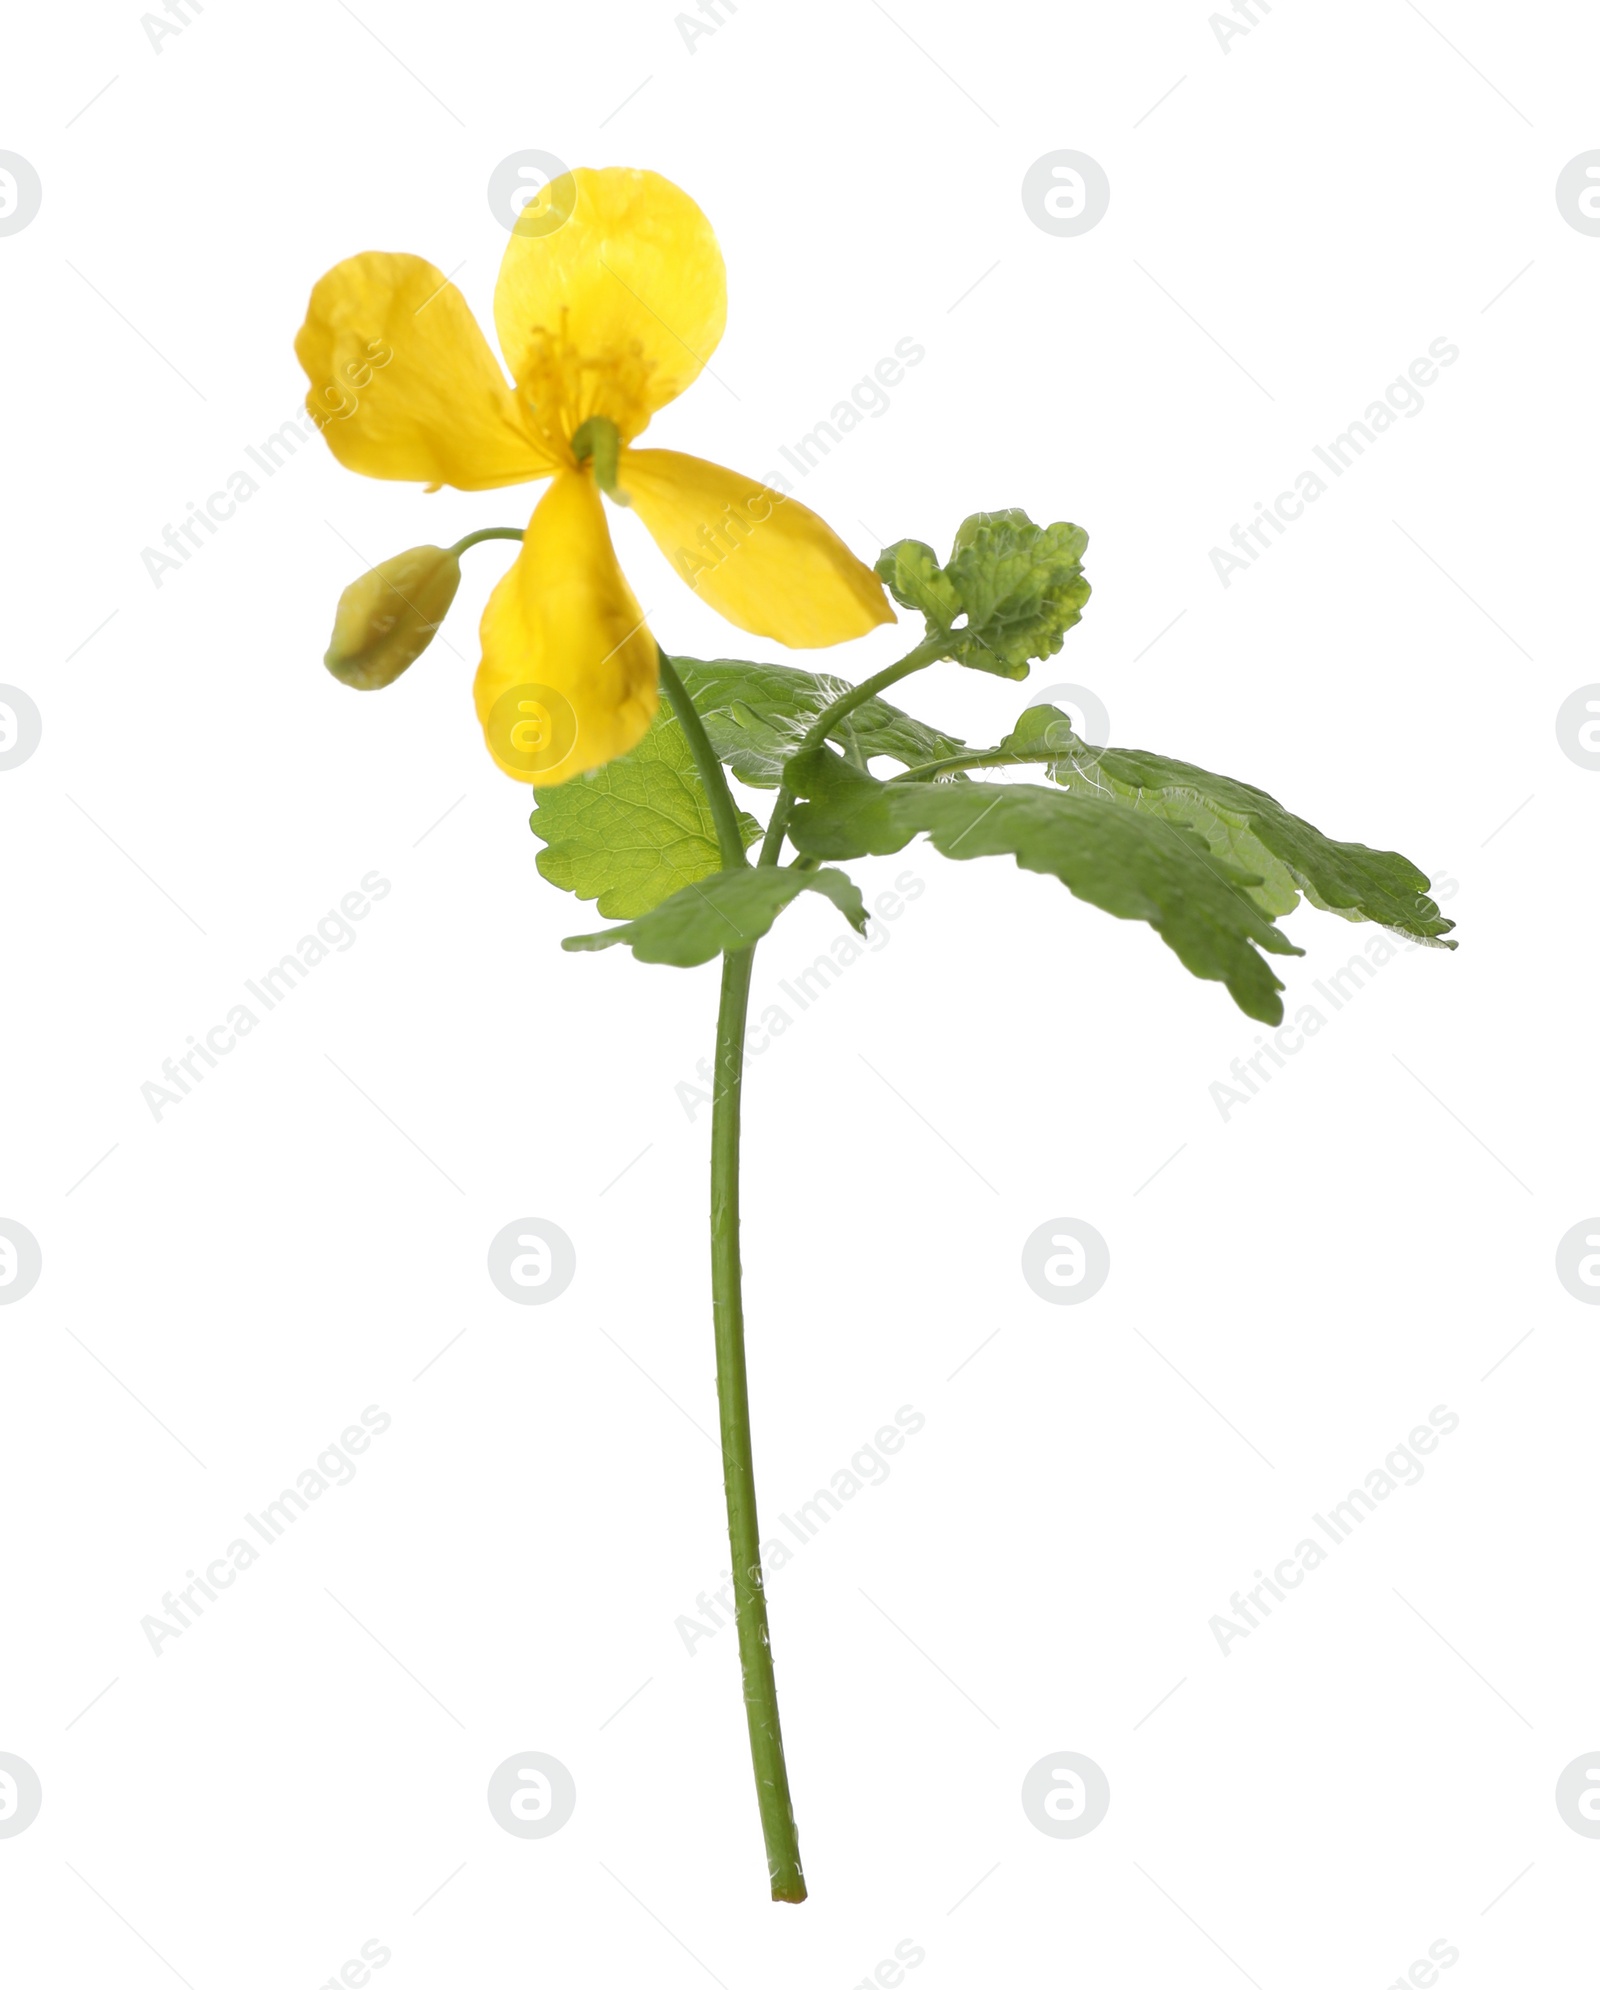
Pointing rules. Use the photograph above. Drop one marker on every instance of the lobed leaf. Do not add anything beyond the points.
(635, 830)
(1247, 828)
(1132, 865)
(725, 914)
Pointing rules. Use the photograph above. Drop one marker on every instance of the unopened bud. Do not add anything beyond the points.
(387, 619)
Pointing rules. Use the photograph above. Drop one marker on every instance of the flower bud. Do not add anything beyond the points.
(387, 619)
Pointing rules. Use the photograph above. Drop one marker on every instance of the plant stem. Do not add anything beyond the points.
(727, 1299)
(928, 651)
(994, 756)
(738, 1463)
(488, 532)
(727, 1316)
(729, 838)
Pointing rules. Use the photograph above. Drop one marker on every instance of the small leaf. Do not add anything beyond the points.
(635, 830)
(1018, 586)
(1132, 865)
(757, 714)
(1041, 726)
(912, 573)
(1248, 828)
(726, 914)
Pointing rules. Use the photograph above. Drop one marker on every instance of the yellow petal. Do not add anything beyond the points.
(403, 383)
(614, 309)
(569, 676)
(757, 557)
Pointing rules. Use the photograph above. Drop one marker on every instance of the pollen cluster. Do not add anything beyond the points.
(562, 387)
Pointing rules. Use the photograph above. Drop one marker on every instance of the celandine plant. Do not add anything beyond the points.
(609, 301)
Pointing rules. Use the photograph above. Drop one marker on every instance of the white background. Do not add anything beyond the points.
(305, 1768)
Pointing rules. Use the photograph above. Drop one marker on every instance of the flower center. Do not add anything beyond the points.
(564, 390)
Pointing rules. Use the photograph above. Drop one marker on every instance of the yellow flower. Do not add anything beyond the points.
(611, 297)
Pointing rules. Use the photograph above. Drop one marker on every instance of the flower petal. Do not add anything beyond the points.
(569, 676)
(403, 383)
(614, 309)
(757, 557)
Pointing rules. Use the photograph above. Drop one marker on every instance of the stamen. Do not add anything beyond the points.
(564, 389)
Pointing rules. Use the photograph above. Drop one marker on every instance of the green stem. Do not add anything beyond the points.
(729, 838)
(488, 532)
(928, 651)
(727, 1315)
(727, 1300)
(958, 763)
(738, 1462)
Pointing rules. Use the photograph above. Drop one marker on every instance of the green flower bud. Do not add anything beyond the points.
(967, 532)
(387, 619)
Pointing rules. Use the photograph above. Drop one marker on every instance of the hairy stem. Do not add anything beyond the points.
(926, 652)
(994, 756)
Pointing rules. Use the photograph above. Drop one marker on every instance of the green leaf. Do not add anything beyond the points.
(757, 714)
(726, 914)
(1041, 726)
(1132, 865)
(912, 573)
(635, 830)
(1019, 586)
(1247, 828)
